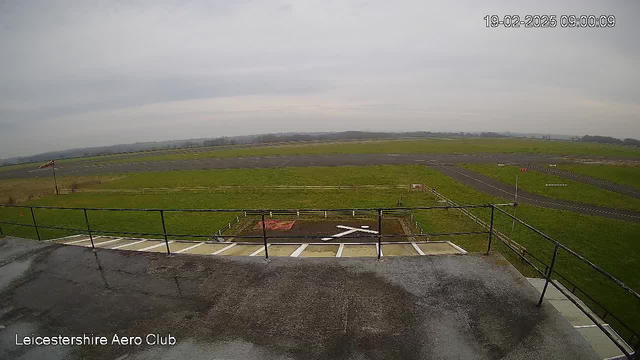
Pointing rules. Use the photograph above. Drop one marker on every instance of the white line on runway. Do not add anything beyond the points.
(259, 250)
(417, 248)
(125, 245)
(155, 246)
(189, 248)
(299, 250)
(340, 249)
(77, 241)
(224, 249)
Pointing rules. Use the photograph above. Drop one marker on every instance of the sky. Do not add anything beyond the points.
(93, 73)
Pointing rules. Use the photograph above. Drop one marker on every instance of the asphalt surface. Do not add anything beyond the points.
(604, 184)
(499, 189)
(427, 307)
(276, 162)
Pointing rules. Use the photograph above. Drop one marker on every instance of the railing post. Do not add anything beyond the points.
(1, 233)
(549, 273)
(164, 231)
(264, 237)
(35, 225)
(86, 220)
(493, 208)
(379, 233)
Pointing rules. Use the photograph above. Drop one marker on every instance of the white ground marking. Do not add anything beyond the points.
(340, 249)
(107, 242)
(350, 230)
(155, 246)
(299, 250)
(125, 245)
(64, 238)
(77, 241)
(224, 249)
(463, 251)
(259, 250)
(417, 248)
(189, 248)
(588, 326)
(379, 249)
(365, 226)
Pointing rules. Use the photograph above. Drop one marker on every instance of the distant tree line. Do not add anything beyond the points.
(279, 138)
(610, 140)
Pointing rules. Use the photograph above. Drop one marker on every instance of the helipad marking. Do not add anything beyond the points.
(108, 242)
(417, 248)
(350, 230)
(299, 250)
(340, 249)
(189, 248)
(125, 245)
(258, 251)
(155, 246)
(223, 249)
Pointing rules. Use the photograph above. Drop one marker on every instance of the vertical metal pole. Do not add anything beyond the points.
(35, 225)
(553, 261)
(86, 220)
(1, 233)
(264, 236)
(379, 233)
(493, 208)
(164, 231)
(55, 181)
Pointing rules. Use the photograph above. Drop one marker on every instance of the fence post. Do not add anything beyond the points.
(546, 283)
(493, 208)
(35, 225)
(86, 220)
(379, 233)
(164, 231)
(1, 233)
(264, 236)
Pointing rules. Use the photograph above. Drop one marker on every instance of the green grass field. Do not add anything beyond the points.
(534, 182)
(608, 243)
(422, 146)
(441, 146)
(626, 175)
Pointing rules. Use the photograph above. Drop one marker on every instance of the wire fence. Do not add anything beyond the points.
(243, 188)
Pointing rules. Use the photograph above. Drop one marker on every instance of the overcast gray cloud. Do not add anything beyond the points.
(87, 73)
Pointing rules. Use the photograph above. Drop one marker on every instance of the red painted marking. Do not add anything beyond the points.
(276, 225)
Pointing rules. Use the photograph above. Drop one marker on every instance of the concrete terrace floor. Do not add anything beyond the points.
(423, 307)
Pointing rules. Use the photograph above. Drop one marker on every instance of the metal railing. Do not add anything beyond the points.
(378, 212)
(550, 271)
(378, 241)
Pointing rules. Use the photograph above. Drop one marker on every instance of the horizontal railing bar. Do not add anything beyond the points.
(593, 319)
(568, 250)
(253, 210)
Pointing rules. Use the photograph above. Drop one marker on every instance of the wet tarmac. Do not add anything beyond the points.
(421, 307)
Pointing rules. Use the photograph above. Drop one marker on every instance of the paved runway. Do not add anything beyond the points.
(496, 188)
(280, 161)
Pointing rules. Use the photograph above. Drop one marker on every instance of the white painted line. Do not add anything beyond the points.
(125, 245)
(299, 250)
(65, 238)
(259, 250)
(379, 249)
(588, 326)
(107, 242)
(155, 246)
(189, 248)
(223, 249)
(78, 241)
(417, 248)
(358, 229)
(340, 249)
(463, 251)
